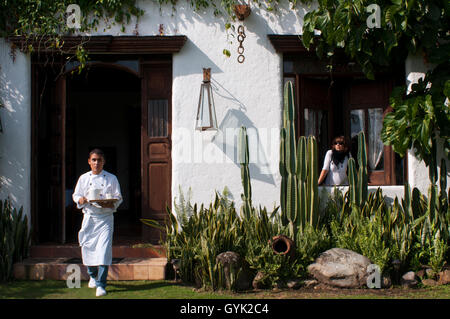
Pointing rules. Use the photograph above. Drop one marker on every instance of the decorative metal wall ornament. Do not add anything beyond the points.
(240, 49)
(242, 11)
(206, 112)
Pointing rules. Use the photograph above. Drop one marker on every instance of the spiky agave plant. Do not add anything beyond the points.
(15, 238)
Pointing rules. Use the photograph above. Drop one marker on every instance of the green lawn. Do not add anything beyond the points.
(53, 289)
(50, 289)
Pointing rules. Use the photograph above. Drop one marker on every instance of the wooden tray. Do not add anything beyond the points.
(99, 201)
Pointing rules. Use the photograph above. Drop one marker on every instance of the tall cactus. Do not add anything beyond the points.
(312, 187)
(245, 172)
(299, 172)
(443, 198)
(358, 180)
(283, 174)
(288, 195)
(302, 164)
(362, 170)
(352, 180)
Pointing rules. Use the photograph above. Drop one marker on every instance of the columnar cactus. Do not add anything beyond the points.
(299, 172)
(352, 180)
(288, 195)
(358, 180)
(245, 172)
(362, 170)
(302, 163)
(312, 187)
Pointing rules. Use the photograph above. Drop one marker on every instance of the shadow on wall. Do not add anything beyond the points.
(201, 61)
(226, 138)
(13, 139)
(282, 21)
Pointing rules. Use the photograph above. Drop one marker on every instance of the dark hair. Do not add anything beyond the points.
(97, 151)
(338, 157)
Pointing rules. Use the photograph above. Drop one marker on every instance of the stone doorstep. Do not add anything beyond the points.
(56, 269)
(57, 251)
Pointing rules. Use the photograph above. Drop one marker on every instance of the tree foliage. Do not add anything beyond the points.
(406, 27)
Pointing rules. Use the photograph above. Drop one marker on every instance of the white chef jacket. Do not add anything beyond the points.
(95, 236)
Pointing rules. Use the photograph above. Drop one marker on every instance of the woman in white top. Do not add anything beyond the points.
(334, 171)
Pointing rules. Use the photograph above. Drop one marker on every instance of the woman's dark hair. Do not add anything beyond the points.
(338, 157)
(97, 151)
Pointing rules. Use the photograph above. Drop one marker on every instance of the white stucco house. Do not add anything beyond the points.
(138, 101)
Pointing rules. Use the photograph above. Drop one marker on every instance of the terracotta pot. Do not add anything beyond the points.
(282, 245)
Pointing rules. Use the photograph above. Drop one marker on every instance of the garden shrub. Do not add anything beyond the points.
(408, 231)
(15, 238)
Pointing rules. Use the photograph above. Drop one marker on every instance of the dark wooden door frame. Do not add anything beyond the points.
(156, 142)
(147, 49)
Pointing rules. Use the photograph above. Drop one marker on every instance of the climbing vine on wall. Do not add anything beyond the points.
(46, 20)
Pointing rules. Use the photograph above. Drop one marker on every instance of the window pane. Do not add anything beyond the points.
(157, 118)
(288, 66)
(375, 147)
(310, 122)
(356, 122)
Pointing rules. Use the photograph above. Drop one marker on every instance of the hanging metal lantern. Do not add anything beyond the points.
(206, 113)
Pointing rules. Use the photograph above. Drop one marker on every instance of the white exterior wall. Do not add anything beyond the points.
(248, 94)
(15, 141)
(418, 174)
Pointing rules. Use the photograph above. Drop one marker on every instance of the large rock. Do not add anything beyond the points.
(259, 282)
(409, 280)
(444, 277)
(429, 282)
(230, 261)
(341, 268)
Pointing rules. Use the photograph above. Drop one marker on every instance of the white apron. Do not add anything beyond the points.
(95, 239)
(96, 233)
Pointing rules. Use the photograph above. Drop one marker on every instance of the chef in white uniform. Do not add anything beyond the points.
(95, 236)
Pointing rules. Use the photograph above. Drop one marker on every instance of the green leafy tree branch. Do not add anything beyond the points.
(406, 27)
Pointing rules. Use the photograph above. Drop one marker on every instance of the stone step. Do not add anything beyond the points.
(60, 251)
(128, 268)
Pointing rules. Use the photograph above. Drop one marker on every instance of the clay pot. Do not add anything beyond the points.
(282, 245)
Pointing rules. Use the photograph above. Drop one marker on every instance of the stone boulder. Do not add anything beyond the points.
(294, 284)
(230, 261)
(340, 268)
(409, 280)
(444, 277)
(429, 282)
(259, 282)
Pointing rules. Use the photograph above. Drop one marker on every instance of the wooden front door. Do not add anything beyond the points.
(48, 172)
(156, 143)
